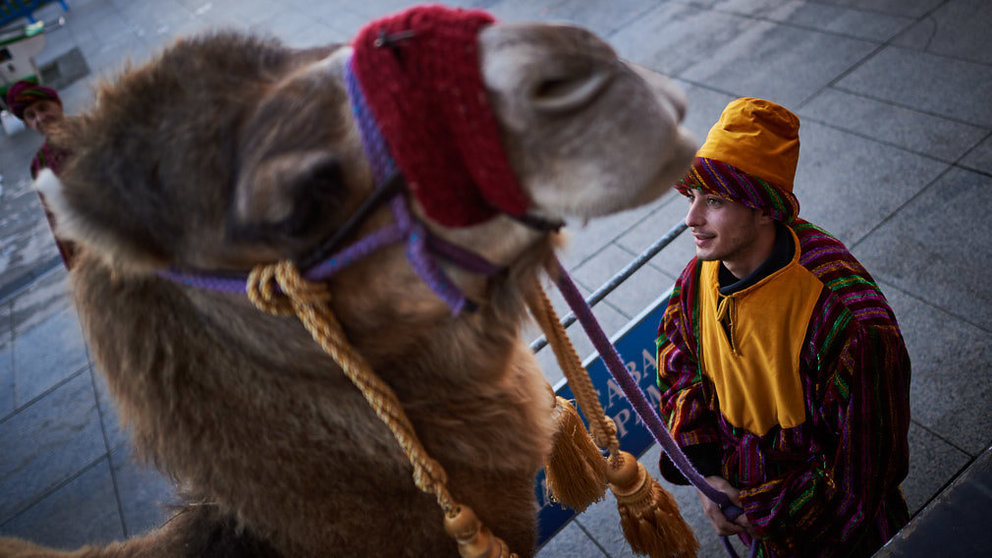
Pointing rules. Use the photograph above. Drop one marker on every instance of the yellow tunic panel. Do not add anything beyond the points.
(755, 366)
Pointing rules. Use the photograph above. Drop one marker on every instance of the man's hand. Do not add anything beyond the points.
(715, 515)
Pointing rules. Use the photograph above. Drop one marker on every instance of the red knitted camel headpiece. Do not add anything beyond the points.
(419, 72)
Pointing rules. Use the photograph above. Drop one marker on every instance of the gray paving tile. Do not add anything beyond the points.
(980, 158)
(521, 10)
(704, 109)
(6, 380)
(634, 294)
(285, 24)
(603, 18)
(25, 236)
(848, 184)
(84, 511)
(610, 320)
(379, 8)
(549, 366)
(669, 212)
(340, 22)
(951, 386)
(603, 523)
(47, 296)
(571, 541)
(674, 37)
(932, 461)
(907, 128)
(959, 28)
(779, 62)
(943, 261)
(210, 14)
(676, 255)
(15, 160)
(910, 8)
(47, 443)
(862, 24)
(926, 82)
(314, 34)
(145, 494)
(584, 240)
(155, 20)
(6, 322)
(46, 354)
(100, 26)
(248, 11)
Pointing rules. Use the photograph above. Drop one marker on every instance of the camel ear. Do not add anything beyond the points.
(117, 249)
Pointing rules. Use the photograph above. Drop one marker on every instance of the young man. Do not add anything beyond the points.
(784, 376)
(41, 109)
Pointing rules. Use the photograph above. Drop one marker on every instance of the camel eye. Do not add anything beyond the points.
(315, 193)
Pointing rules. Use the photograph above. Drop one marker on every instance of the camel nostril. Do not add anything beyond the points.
(568, 93)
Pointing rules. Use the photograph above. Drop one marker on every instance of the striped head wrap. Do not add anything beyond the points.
(23, 93)
(750, 156)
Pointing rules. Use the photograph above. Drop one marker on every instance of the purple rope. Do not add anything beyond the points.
(638, 401)
(420, 243)
(469, 261)
(421, 261)
(360, 249)
(204, 281)
(376, 150)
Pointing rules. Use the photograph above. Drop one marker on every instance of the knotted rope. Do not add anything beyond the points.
(602, 427)
(649, 516)
(281, 290)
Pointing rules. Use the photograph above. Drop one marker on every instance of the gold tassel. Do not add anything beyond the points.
(648, 514)
(474, 539)
(575, 469)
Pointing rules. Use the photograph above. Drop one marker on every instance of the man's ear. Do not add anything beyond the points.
(70, 224)
(765, 218)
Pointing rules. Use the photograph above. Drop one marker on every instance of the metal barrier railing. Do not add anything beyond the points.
(621, 276)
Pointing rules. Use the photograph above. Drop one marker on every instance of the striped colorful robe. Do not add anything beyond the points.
(828, 486)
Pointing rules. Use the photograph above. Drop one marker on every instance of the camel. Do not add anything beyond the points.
(229, 151)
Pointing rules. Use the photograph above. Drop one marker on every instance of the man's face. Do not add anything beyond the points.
(724, 230)
(40, 115)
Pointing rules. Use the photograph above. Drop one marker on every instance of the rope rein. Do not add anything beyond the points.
(611, 358)
(602, 428)
(309, 302)
(281, 290)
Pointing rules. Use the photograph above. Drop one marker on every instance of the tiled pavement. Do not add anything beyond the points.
(894, 96)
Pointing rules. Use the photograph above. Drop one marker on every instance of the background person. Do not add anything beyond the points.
(41, 110)
(784, 375)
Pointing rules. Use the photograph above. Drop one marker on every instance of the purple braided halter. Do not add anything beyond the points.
(421, 245)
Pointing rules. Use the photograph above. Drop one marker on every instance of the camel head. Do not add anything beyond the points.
(228, 150)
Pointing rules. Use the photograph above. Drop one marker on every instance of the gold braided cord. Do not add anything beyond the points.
(603, 429)
(309, 301)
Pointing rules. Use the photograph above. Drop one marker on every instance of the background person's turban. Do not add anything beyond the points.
(24, 93)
